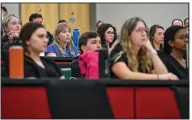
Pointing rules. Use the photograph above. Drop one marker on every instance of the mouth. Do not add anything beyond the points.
(162, 41)
(144, 39)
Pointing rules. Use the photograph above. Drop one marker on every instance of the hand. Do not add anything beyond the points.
(148, 46)
(12, 34)
(168, 76)
(62, 77)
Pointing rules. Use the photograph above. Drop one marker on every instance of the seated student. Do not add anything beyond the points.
(38, 18)
(34, 37)
(157, 39)
(108, 34)
(133, 57)
(176, 39)
(88, 41)
(186, 23)
(63, 44)
(11, 28)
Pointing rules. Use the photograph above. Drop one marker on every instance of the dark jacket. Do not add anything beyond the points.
(31, 69)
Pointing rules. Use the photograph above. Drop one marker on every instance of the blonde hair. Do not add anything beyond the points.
(126, 44)
(5, 22)
(60, 28)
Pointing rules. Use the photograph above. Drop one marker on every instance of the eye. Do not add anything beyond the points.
(182, 37)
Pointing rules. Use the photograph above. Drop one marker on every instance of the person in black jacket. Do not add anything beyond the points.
(87, 41)
(35, 41)
(36, 17)
(10, 29)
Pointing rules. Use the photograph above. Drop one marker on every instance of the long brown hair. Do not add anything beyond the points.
(126, 43)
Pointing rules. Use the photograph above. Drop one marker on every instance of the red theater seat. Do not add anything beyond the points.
(157, 103)
(24, 102)
(122, 102)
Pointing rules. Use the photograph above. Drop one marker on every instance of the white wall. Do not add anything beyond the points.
(12, 8)
(116, 14)
(161, 14)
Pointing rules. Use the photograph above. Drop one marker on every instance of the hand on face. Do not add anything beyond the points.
(148, 46)
(12, 34)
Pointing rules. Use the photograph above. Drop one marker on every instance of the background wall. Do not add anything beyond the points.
(116, 14)
(161, 14)
(12, 8)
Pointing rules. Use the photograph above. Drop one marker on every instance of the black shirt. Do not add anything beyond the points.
(34, 70)
(175, 67)
(161, 54)
(117, 55)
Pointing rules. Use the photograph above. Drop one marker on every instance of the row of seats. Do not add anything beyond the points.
(94, 99)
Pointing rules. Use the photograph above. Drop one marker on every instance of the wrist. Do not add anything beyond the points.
(157, 77)
(153, 52)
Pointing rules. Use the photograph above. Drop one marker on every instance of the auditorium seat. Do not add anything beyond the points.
(22, 102)
(122, 102)
(159, 103)
(65, 99)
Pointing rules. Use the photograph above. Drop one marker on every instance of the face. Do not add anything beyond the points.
(92, 44)
(187, 23)
(38, 41)
(109, 35)
(159, 36)
(181, 39)
(65, 36)
(139, 34)
(38, 20)
(177, 23)
(14, 25)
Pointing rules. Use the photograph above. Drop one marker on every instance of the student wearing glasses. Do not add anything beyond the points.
(176, 39)
(133, 57)
(108, 34)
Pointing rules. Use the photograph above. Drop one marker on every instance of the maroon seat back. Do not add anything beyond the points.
(24, 102)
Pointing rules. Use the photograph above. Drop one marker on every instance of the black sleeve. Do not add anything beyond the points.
(51, 65)
(117, 55)
(29, 71)
(169, 67)
(5, 55)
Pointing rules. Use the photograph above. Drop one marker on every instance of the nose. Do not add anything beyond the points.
(162, 36)
(99, 45)
(68, 33)
(187, 40)
(144, 33)
(18, 26)
(46, 39)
